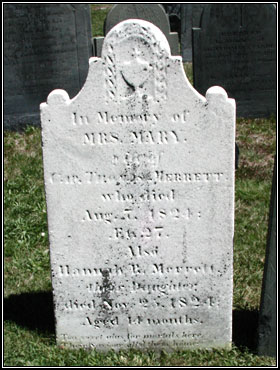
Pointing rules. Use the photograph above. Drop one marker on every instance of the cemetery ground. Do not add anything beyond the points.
(29, 335)
(29, 330)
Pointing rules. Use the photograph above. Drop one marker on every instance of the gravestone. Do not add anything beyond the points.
(186, 32)
(236, 48)
(174, 14)
(187, 26)
(172, 8)
(267, 340)
(197, 12)
(153, 13)
(46, 46)
(140, 219)
(184, 16)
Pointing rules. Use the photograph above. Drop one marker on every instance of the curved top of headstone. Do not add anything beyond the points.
(137, 72)
(153, 13)
(137, 51)
(144, 32)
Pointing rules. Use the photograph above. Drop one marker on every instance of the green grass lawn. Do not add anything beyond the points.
(29, 332)
(98, 14)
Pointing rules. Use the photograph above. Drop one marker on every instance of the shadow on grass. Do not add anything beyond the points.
(33, 311)
(245, 329)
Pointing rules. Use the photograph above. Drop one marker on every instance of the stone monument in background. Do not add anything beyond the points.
(267, 331)
(183, 17)
(46, 46)
(236, 48)
(153, 13)
(140, 218)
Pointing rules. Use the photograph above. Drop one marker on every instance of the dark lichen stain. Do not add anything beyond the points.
(106, 288)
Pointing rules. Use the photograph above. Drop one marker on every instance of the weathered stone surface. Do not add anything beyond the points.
(267, 340)
(153, 13)
(236, 48)
(46, 46)
(140, 200)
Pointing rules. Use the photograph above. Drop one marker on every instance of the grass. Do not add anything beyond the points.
(29, 333)
(98, 14)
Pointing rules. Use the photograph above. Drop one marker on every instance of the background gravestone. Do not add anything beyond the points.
(182, 18)
(190, 17)
(46, 46)
(140, 219)
(174, 14)
(236, 48)
(186, 32)
(267, 340)
(153, 13)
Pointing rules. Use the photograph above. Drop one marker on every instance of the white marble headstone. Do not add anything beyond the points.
(139, 179)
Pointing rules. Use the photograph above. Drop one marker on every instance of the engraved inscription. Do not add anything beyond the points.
(148, 196)
(129, 214)
(111, 119)
(157, 176)
(135, 137)
(139, 182)
(174, 321)
(101, 138)
(130, 234)
(98, 323)
(155, 268)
